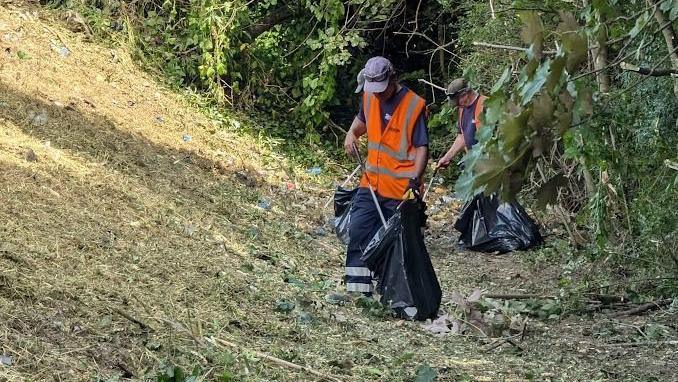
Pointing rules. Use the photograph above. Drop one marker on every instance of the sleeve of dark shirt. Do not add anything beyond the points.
(420, 133)
(361, 113)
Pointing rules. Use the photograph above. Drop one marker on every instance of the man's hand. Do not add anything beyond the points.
(443, 163)
(358, 128)
(413, 189)
(349, 143)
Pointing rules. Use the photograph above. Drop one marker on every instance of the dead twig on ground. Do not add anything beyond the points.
(278, 361)
(141, 324)
(644, 308)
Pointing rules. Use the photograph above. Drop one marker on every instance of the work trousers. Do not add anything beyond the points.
(365, 223)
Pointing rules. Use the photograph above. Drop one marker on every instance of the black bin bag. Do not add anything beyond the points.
(398, 257)
(487, 225)
(343, 199)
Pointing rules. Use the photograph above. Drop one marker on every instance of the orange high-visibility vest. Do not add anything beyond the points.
(476, 116)
(390, 153)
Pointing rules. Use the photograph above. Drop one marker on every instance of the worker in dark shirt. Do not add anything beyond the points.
(392, 117)
(470, 104)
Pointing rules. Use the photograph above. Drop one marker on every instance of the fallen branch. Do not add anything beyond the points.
(432, 85)
(643, 308)
(508, 47)
(500, 342)
(278, 361)
(141, 324)
(643, 343)
(647, 71)
(518, 296)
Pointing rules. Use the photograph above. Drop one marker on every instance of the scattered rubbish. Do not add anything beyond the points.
(443, 325)
(159, 120)
(319, 231)
(30, 156)
(6, 360)
(10, 37)
(291, 186)
(189, 229)
(486, 225)
(397, 255)
(447, 199)
(62, 50)
(343, 199)
(264, 204)
(314, 171)
(187, 138)
(37, 118)
(107, 239)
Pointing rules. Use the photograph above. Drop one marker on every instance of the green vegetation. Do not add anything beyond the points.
(565, 124)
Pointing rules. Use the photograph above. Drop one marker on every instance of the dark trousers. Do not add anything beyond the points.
(365, 223)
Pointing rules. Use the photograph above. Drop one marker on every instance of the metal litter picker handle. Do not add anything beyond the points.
(369, 185)
(430, 183)
(348, 179)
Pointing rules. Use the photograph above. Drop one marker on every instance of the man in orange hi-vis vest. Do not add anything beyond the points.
(470, 104)
(393, 118)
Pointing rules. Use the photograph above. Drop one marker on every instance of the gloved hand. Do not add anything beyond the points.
(413, 189)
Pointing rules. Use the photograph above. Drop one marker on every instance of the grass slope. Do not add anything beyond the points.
(131, 231)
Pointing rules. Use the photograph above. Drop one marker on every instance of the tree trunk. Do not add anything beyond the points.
(670, 38)
(274, 17)
(599, 56)
(441, 52)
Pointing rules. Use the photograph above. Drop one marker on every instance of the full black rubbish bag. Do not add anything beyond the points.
(487, 225)
(398, 257)
(343, 199)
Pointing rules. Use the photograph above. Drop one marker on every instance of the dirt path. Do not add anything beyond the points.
(135, 227)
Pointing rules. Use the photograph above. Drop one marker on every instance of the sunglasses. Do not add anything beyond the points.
(456, 94)
(378, 77)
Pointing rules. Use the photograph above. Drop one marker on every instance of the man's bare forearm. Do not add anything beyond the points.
(358, 128)
(457, 146)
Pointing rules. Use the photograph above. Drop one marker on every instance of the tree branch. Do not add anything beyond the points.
(648, 71)
(508, 47)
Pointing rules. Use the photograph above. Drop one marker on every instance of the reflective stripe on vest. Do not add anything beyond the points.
(397, 175)
(402, 154)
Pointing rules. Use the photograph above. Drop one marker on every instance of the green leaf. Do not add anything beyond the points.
(284, 306)
(532, 32)
(556, 74)
(425, 373)
(22, 55)
(535, 84)
(502, 81)
(640, 24)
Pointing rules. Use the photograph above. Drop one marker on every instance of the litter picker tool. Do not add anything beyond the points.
(430, 182)
(369, 184)
(348, 179)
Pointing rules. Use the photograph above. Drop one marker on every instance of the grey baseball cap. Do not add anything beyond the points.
(375, 76)
(456, 88)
